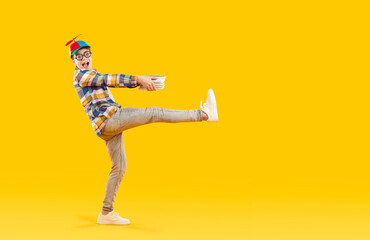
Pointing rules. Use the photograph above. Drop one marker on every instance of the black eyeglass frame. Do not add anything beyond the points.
(86, 55)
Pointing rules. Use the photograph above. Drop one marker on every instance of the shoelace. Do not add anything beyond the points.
(115, 214)
(204, 105)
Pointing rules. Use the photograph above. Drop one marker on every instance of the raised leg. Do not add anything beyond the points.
(126, 118)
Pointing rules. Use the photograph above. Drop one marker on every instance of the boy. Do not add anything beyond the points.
(109, 120)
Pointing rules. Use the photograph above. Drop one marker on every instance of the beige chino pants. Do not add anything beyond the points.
(126, 118)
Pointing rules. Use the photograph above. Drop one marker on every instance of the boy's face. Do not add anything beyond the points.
(84, 63)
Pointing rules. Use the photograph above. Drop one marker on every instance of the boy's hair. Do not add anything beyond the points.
(79, 50)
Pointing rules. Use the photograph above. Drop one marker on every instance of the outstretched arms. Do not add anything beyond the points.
(94, 79)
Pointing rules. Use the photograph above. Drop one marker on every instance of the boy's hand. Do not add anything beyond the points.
(147, 82)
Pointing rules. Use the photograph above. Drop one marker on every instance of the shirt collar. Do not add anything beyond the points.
(77, 69)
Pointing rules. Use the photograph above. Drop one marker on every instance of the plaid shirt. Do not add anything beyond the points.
(95, 97)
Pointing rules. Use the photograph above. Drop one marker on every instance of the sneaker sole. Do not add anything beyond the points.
(214, 110)
(112, 223)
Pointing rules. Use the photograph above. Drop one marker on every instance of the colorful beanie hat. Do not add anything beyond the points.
(75, 46)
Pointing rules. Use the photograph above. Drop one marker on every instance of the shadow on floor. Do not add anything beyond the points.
(91, 222)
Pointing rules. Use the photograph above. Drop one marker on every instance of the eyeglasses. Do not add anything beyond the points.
(79, 57)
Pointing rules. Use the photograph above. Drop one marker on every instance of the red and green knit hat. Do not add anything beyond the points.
(75, 46)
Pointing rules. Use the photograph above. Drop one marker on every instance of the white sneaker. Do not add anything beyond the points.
(210, 107)
(112, 218)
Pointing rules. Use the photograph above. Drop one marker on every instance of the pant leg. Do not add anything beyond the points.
(117, 155)
(126, 118)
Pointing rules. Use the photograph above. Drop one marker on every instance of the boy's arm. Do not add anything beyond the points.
(94, 79)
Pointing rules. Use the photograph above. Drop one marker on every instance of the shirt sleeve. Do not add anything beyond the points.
(94, 79)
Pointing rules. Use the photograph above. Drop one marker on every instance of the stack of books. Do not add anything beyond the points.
(159, 82)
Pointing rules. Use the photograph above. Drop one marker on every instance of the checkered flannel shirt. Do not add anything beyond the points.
(98, 102)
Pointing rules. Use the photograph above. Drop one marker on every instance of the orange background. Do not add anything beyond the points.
(287, 160)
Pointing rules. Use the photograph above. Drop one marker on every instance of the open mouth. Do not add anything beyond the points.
(85, 64)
